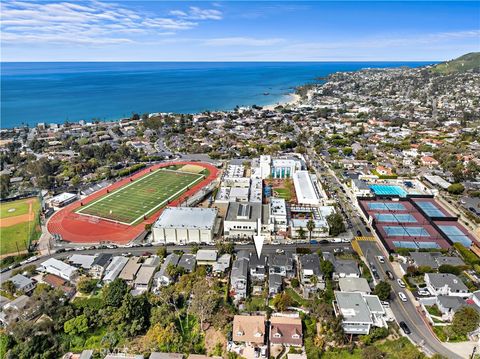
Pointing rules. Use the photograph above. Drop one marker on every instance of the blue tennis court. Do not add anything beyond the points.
(456, 235)
(397, 231)
(395, 218)
(430, 209)
(381, 206)
(416, 245)
(428, 245)
(388, 190)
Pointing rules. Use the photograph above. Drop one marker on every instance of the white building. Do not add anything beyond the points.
(242, 220)
(306, 188)
(278, 215)
(59, 268)
(63, 199)
(114, 268)
(185, 225)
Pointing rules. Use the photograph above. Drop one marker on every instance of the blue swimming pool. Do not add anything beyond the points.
(388, 190)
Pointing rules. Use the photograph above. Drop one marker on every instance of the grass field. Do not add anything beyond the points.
(142, 197)
(17, 237)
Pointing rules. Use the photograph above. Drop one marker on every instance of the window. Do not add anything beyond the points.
(277, 335)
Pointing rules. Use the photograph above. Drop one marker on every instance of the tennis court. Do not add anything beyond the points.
(382, 206)
(430, 209)
(141, 197)
(395, 218)
(398, 231)
(456, 235)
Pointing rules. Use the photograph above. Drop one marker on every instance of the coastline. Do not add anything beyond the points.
(289, 100)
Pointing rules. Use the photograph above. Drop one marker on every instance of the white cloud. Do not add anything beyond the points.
(93, 22)
(242, 41)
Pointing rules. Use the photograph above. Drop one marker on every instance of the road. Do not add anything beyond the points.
(404, 311)
(267, 249)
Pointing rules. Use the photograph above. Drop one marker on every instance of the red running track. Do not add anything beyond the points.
(77, 228)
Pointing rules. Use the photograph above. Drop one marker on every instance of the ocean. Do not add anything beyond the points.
(56, 92)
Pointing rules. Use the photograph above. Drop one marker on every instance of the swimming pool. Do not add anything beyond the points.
(388, 190)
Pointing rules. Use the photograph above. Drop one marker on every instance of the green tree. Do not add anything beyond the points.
(301, 233)
(327, 268)
(310, 227)
(4, 185)
(76, 325)
(9, 287)
(204, 301)
(448, 268)
(456, 188)
(372, 352)
(162, 252)
(465, 320)
(86, 285)
(282, 301)
(294, 283)
(114, 292)
(383, 289)
(335, 222)
(133, 316)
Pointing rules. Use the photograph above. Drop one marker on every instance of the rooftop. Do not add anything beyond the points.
(187, 217)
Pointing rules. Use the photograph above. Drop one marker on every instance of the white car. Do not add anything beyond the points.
(400, 283)
(386, 304)
(381, 259)
(402, 296)
(279, 251)
(424, 293)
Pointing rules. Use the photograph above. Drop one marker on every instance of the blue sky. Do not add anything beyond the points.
(103, 30)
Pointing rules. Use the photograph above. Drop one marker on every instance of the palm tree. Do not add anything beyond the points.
(310, 227)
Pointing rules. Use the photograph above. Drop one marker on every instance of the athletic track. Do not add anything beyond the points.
(78, 228)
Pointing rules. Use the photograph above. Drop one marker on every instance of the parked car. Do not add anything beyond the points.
(405, 328)
(424, 293)
(400, 283)
(386, 304)
(389, 275)
(313, 241)
(279, 251)
(323, 241)
(402, 296)
(381, 259)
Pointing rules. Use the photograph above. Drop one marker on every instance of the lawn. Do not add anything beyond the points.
(284, 193)
(297, 298)
(142, 197)
(17, 237)
(13, 209)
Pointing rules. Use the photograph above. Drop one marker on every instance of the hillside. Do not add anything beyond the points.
(461, 64)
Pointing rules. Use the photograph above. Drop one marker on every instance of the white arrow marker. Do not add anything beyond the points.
(259, 244)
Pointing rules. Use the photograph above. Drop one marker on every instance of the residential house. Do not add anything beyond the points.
(310, 274)
(286, 331)
(59, 283)
(429, 161)
(130, 270)
(82, 261)
(222, 264)
(275, 284)
(249, 329)
(99, 265)
(162, 278)
(345, 268)
(353, 284)
(446, 284)
(258, 268)
(239, 279)
(14, 310)
(360, 312)
(158, 355)
(143, 278)
(23, 284)
(360, 188)
(114, 268)
(448, 305)
(187, 262)
(281, 264)
(59, 268)
(206, 257)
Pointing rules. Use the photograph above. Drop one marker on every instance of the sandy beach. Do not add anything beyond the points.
(289, 99)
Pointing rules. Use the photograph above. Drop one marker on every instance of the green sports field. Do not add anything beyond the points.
(142, 197)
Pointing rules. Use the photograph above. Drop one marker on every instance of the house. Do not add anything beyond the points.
(423, 259)
(360, 312)
(310, 274)
(249, 329)
(22, 283)
(258, 268)
(99, 264)
(130, 270)
(206, 257)
(239, 279)
(162, 278)
(286, 331)
(14, 310)
(59, 283)
(281, 264)
(384, 171)
(187, 262)
(448, 305)
(428, 161)
(143, 278)
(59, 268)
(82, 261)
(446, 284)
(201, 356)
(275, 283)
(124, 356)
(114, 268)
(345, 268)
(222, 264)
(353, 284)
(360, 188)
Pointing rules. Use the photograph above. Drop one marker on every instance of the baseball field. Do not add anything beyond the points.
(19, 224)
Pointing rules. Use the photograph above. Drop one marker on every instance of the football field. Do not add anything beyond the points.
(141, 197)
